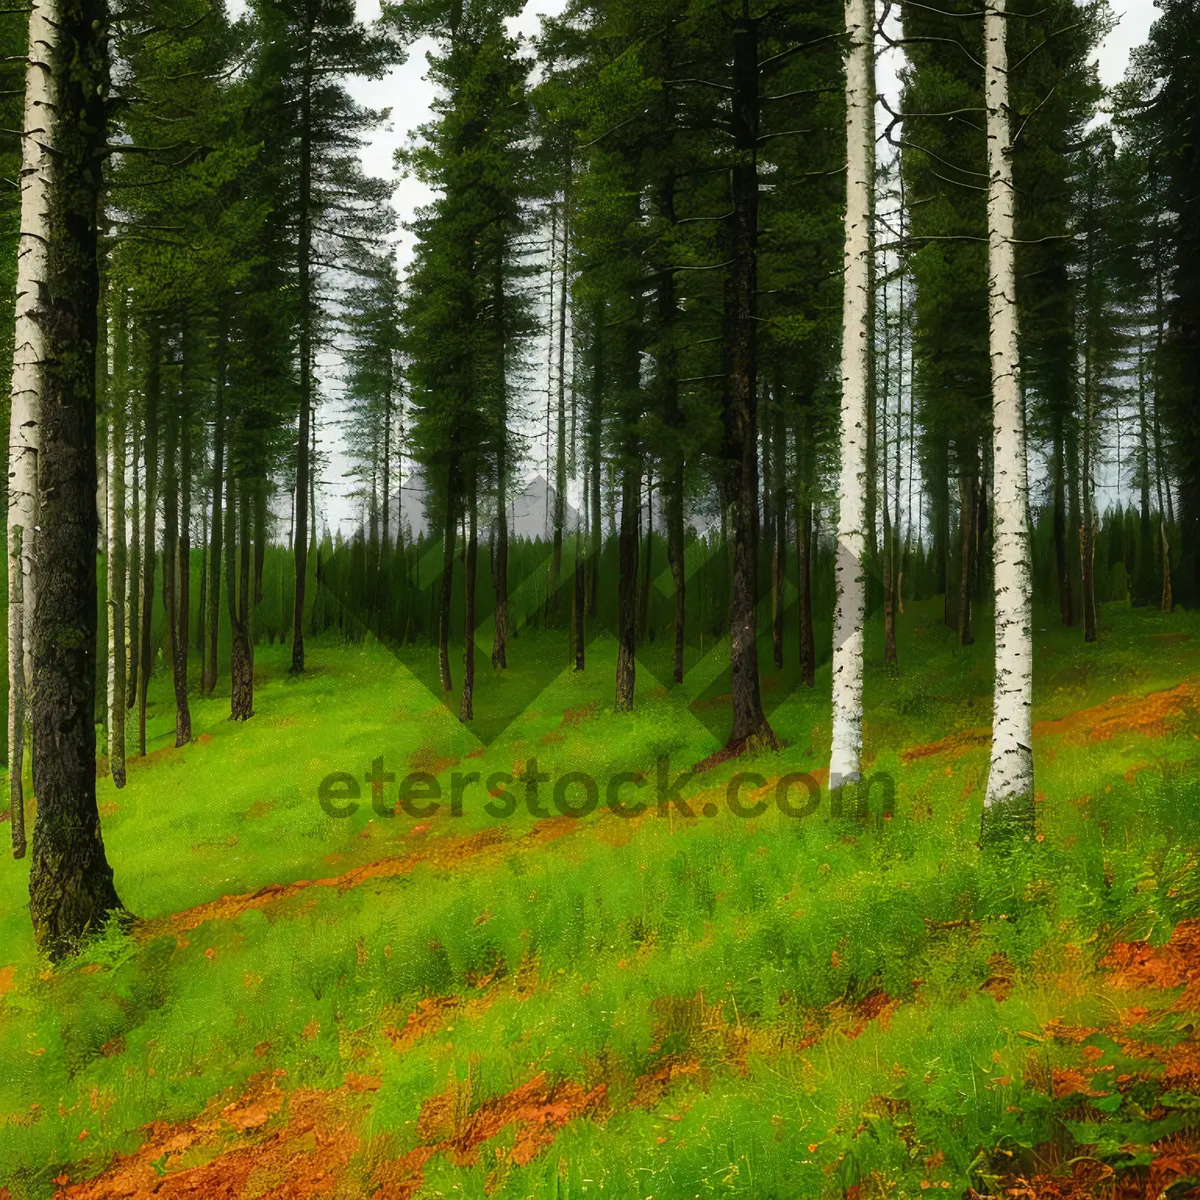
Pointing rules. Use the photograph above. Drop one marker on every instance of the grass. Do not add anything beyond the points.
(662, 1006)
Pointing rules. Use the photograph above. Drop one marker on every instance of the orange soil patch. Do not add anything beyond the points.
(450, 852)
(427, 1017)
(6, 979)
(1175, 964)
(449, 1126)
(266, 1143)
(577, 716)
(1122, 714)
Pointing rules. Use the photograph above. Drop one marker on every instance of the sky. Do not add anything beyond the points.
(408, 94)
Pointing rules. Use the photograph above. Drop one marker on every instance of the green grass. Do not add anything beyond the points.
(817, 984)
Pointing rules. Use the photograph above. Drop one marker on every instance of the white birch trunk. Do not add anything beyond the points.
(1008, 803)
(27, 360)
(846, 751)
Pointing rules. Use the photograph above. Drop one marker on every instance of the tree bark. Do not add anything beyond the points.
(740, 407)
(71, 888)
(1009, 800)
(779, 533)
(28, 354)
(595, 413)
(560, 458)
(966, 550)
(647, 566)
(804, 532)
(183, 715)
(216, 523)
(150, 507)
(845, 761)
(241, 660)
(500, 550)
(466, 709)
(119, 399)
(304, 433)
(133, 605)
(1066, 607)
(449, 535)
(631, 501)
(171, 543)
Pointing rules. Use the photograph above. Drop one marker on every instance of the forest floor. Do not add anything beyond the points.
(387, 1005)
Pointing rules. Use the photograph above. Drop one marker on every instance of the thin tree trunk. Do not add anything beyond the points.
(260, 537)
(183, 715)
(560, 459)
(150, 509)
(966, 543)
(116, 548)
(740, 415)
(595, 410)
(171, 544)
(241, 664)
(71, 888)
(580, 603)
(28, 354)
(449, 533)
(644, 598)
(216, 523)
(804, 538)
(1009, 800)
(500, 551)
(466, 710)
(133, 605)
(1066, 608)
(304, 483)
(631, 501)
(779, 534)
(850, 611)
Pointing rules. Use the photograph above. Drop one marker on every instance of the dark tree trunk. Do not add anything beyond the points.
(449, 533)
(631, 500)
(740, 417)
(133, 604)
(260, 537)
(966, 529)
(209, 679)
(647, 565)
(170, 585)
(466, 710)
(595, 411)
(779, 534)
(804, 530)
(71, 888)
(1066, 609)
(241, 663)
(560, 457)
(500, 548)
(146, 655)
(580, 619)
(183, 716)
(304, 483)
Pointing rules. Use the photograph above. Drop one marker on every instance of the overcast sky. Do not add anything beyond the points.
(408, 94)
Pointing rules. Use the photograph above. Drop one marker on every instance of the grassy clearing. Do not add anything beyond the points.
(662, 1006)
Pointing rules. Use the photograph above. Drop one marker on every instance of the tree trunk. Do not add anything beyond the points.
(241, 662)
(260, 537)
(171, 545)
(119, 399)
(16, 694)
(71, 888)
(647, 566)
(183, 715)
(1066, 607)
(560, 458)
(133, 604)
(631, 502)
(466, 711)
(216, 522)
(966, 549)
(804, 532)
(595, 411)
(580, 604)
(779, 534)
(740, 415)
(1009, 800)
(449, 534)
(846, 751)
(304, 483)
(24, 413)
(150, 508)
(500, 549)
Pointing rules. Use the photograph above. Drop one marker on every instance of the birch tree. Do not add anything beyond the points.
(26, 388)
(850, 610)
(70, 882)
(1008, 803)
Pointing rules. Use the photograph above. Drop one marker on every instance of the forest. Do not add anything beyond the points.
(769, 395)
